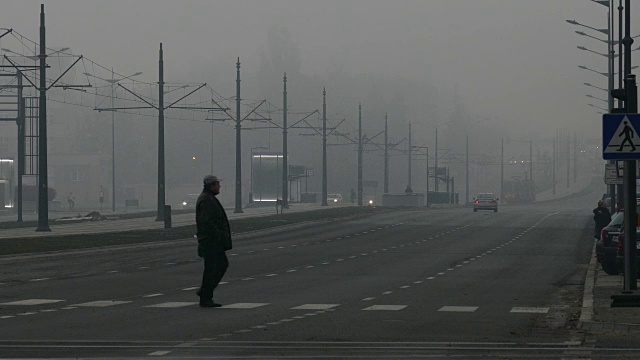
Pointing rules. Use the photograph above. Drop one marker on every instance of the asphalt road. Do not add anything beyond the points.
(422, 283)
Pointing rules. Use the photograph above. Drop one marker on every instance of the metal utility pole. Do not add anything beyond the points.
(427, 177)
(575, 158)
(409, 174)
(360, 154)
(285, 167)
(630, 216)
(502, 167)
(21, 143)
(113, 148)
(324, 147)
(554, 165)
(43, 189)
(531, 160)
(386, 156)
(238, 208)
(568, 158)
(161, 172)
(466, 175)
(435, 173)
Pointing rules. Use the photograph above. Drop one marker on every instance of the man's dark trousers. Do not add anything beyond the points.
(215, 265)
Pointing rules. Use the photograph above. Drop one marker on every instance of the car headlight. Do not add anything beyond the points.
(335, 200)
(370, 201)
(184, 203)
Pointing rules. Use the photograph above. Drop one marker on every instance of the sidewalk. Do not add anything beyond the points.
(145, 223)
(597, 314)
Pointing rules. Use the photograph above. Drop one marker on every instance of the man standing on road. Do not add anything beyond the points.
(602, 217)
(214, 239)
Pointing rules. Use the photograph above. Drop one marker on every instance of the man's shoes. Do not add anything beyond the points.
(209, 304)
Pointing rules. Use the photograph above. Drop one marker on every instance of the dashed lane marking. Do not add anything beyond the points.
(386, 307)
(102, 303)
(531, 310)
(152, 295)
(30, 302)
(173, 304)
(158, 353)
(458, 308)
(314, 306)
(244, 305)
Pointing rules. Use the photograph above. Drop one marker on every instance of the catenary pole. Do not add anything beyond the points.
(386, 155)
(43, 189)
(161, 172)
(285, 155)
(324, 147)
(238, 208)
(360, 154)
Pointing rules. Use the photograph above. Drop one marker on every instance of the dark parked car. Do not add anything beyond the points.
(607, 245)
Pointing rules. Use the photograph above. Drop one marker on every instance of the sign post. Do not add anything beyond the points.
(621, 141)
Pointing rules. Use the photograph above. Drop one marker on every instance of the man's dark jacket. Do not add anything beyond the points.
(602, 217)
(214, 233)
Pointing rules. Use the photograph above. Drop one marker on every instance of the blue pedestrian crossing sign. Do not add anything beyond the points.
(620, 139)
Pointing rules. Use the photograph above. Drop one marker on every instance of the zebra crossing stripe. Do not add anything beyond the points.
(172, 304)
(102, 303)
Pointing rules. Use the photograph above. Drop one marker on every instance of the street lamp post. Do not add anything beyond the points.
(251, 179)
(113, 81)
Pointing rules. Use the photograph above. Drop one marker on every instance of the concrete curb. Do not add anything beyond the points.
(586, 321)
(586, 314)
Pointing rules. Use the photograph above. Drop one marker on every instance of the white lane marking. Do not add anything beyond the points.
(40, 279)
(352, 256)
(266, 249)
(314, 307)
(158, 353)
(286, 320)
(233, 254)
(258, 327)
(386, 307)
(273, 323)
(143, 267)
(247, 279)
(339, 259)
(69, 308)
(191, 288)
(171, 304)
(112, 271)
(387, 292)
(440, 273)
(152, 295)
(280, 247)
(32, 302)
(338, 238)
(531, 310)
(430, 278)
(102, 303)
(7, 317)
(223, 282)
(458, 265)
(309, 266)
(418, 282)
(298, 317)
(325, 263)
(292, 270)
(243, 331)
(271, 275)
(48, 310)
(404, 286)
(244, 305)
(27, 313)
(458, 308)
(450, 269)
(368, 299)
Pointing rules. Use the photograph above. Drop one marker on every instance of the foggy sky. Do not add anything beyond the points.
(503, 68)
(512, 59)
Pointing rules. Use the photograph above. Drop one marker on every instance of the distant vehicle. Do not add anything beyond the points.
(485, 201)
(334, 198)
(518, 191)
(189, 201)
(369, 201)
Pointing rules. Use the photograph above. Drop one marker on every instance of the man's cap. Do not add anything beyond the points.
(210, 179)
